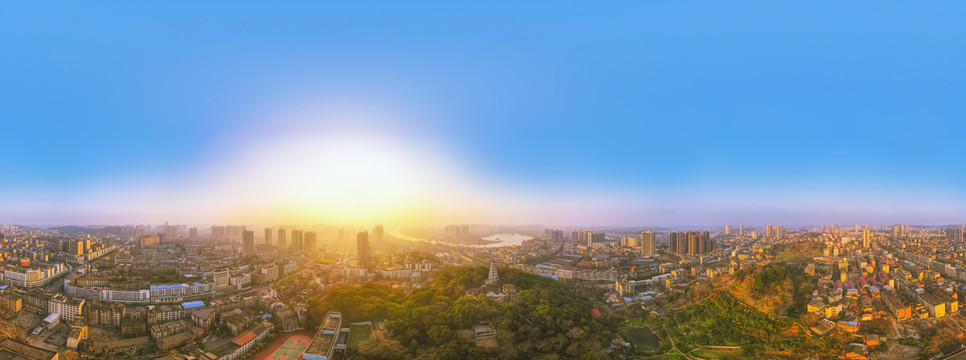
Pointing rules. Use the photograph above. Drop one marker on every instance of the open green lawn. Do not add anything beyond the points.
(358, 334)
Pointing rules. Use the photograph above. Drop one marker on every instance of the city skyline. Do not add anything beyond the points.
(642, 116)
(475, 181)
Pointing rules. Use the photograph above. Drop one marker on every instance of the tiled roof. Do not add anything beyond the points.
(244, 338)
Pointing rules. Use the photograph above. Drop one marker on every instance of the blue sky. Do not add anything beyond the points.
(653, 113)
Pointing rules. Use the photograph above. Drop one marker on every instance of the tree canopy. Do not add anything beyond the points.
(545, 319)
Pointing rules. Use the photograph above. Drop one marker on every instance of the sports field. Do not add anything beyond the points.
(287, 346)
(358, 334)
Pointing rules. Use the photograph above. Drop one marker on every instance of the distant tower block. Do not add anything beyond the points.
(494, 276)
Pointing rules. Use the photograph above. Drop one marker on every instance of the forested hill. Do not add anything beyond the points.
(723, 320)
(546, 319)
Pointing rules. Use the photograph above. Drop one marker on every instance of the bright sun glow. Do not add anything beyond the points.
(338, 178)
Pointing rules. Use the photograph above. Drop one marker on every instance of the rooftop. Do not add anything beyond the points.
(193, 304)
(11, 349)
(243, 338)
(324, 340)
(171, 286)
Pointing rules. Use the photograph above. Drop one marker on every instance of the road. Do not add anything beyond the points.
(674, 347)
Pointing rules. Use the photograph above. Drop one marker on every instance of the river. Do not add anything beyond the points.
(498, 240)
(506, 239)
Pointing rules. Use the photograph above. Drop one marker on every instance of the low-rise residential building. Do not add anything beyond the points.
(103, 313)
(11, 302)
(37, 274)
(68, 308)
(159, 331)
(815, 305)
(78, 333)
(165, 313)
(239, 345)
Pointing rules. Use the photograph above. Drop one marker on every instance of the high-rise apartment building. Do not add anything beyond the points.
(362, 246)
(576, 236)
(692, 242)
(148, 240)
(708, 242)
(280, 243)
(217, 232)
(268, 236)
(955, 235)
(296, 240)
(585, 237)
(76, 247)
(248, 242)
(898, 231)
(377, 233)
(866, 238)
(222, 279)
(648, 243)
(309, 244)
(556, 237)
(727, 229)
(456, 230)
(628, 241)
(234, 231)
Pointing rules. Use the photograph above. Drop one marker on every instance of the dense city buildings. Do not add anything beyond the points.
(167, 293)
(524, 180)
